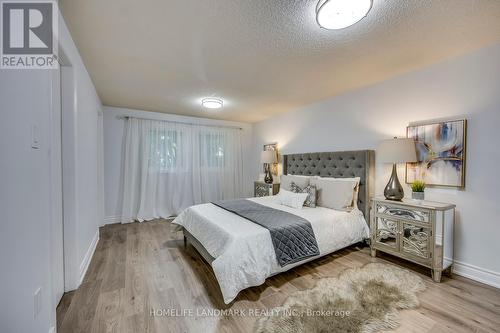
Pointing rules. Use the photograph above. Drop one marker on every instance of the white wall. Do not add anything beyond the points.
(25, 257)
(24, 201)
(113, 152)
(467, 86)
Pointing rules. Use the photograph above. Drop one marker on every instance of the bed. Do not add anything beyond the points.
(241, 252)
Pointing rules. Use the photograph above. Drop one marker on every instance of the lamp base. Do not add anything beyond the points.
(268, 179)
(394, 190)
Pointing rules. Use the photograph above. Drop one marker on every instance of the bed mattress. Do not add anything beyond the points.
(243, 251)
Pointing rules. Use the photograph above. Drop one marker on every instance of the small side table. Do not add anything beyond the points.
(416, 230)
(262, 189)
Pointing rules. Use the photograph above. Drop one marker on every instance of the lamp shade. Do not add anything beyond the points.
(268, 156)
(397, 151)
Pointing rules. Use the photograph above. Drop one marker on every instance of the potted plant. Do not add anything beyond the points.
(418, 188)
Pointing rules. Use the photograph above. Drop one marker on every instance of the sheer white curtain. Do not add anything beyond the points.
(170, 166)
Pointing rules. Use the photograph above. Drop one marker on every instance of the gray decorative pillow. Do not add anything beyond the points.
(309, 189)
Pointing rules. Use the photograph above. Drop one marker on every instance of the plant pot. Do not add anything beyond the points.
(418, 195)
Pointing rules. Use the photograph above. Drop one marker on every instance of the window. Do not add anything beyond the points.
(212, 150)
(169, 166)
(165, 150)
(172, 148)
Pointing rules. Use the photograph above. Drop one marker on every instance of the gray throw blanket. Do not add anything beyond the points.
(292, 236)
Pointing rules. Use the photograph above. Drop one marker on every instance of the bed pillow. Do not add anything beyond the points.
(286, 180)
(311, 193)
(335, 193)
(290, 199)
(356, 189)
(356, 195)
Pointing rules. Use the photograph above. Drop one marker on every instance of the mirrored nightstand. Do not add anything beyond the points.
(416, 230)
(262, 189)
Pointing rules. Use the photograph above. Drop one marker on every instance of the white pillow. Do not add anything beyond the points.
(336, 193)
(290, 199)
(356, 189)
(286, 180)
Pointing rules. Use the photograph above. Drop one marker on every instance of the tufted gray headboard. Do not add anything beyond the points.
(342, 164)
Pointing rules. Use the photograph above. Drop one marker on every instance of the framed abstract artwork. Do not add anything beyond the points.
(440, 153)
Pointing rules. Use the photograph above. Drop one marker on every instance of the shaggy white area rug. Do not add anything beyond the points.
(360, 300)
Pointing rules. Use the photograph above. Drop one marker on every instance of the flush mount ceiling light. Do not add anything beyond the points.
(338, 14)
(212, 103)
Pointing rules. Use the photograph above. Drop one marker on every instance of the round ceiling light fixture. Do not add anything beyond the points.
(212, 103)
(339, 14)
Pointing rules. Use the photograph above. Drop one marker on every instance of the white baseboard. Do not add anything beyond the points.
(112, 219)
(88, 257)
(477, 274)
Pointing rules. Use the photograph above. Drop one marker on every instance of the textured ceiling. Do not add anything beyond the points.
(262, 57)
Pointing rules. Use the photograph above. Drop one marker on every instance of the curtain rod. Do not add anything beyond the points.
(180, 122)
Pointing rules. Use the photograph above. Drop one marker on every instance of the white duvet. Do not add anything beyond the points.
(243, 250)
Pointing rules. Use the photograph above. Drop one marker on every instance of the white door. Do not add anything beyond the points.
(57, 243)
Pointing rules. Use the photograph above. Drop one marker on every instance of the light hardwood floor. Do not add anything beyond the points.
(139, 267)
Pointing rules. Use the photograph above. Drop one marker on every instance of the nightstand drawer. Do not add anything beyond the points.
(261, 190)
(399, 212)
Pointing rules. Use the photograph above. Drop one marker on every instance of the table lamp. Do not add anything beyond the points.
(267, 157)
(396, 151)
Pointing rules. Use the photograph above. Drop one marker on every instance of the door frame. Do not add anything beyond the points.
(63, 195)
(56, 193)
(69, 172)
